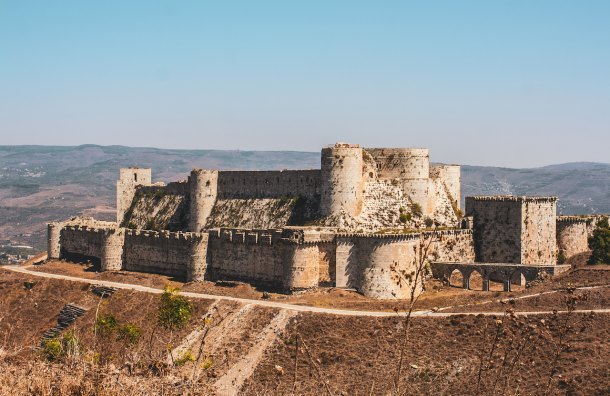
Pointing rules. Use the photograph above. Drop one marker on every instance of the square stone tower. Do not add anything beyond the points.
(129, 180)
(517, 230)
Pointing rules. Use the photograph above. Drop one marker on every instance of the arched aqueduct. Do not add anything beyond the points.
(508, 274)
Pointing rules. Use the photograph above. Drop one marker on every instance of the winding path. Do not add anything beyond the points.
(292, 307)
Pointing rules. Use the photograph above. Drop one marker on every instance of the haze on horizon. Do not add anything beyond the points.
(516, 84)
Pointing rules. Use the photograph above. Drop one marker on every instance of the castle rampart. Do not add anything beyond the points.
(167, 253)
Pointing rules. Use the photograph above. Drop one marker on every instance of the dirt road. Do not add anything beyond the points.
(292, 307)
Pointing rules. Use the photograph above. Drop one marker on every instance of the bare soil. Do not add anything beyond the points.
(355, 355)
(437, 294)
(359, 356)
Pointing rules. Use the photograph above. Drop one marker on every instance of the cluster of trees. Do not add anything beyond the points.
(599, 243)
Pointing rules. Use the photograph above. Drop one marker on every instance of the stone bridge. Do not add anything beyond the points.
(498, 272)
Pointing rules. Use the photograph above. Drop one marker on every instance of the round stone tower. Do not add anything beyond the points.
(342, 181)
(415, 163)
(451, 177)
(112, 250)
(53, 240)
(197, 264)
(203, 186)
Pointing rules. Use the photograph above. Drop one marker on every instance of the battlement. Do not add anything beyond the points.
(389, 237)
(574, 219)
(512, 198)
(183, 236)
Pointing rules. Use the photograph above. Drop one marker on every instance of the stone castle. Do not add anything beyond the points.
(358, 222)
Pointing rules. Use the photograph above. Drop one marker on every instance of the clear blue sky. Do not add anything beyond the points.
(511, 83)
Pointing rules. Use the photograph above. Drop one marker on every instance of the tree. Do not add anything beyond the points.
(599, 243)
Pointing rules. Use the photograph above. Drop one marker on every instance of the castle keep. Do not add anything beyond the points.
(354, 223)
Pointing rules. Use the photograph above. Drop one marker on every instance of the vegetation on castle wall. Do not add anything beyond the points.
(599, 243)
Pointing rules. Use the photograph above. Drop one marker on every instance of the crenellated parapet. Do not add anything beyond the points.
(512, 198)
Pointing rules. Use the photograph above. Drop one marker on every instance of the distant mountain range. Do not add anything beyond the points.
(44, 183)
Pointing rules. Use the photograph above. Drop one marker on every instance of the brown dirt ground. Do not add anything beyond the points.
(436, 295)
(354, 354)
(359, 356)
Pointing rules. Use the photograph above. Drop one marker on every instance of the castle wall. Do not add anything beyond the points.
(167, 253)
(82, 242)
(539, 231)
(572, 235)
(255, 256)
(268, 184)
(401, 163)
(497, 229)
(342, 180)
(373, 264)
(450, 246)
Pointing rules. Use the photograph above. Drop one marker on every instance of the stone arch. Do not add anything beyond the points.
(494, 281)
(517, 280)
(475, 279)
(455, 277)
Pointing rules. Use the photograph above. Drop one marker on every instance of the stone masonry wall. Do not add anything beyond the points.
(450, 246)
(268, 184)
(497, 229)
(167, 253)
(510, 229)
(539, 231)
(572, 235)
(80, 242)
(375, 265)
(129, 179)
(282, 259)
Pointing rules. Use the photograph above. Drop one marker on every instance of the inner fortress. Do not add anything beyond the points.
(358, 222)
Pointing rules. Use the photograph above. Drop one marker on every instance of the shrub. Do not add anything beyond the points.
(561, 257)
(129, 333)
(187, 356)
(599, 243)
(404, 217)
(416, 209)
(428, 222)
(174, 310)
(59, 347)
(52, 349)
(106, 324)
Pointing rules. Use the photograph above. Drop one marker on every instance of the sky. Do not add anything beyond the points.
(504, 82)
